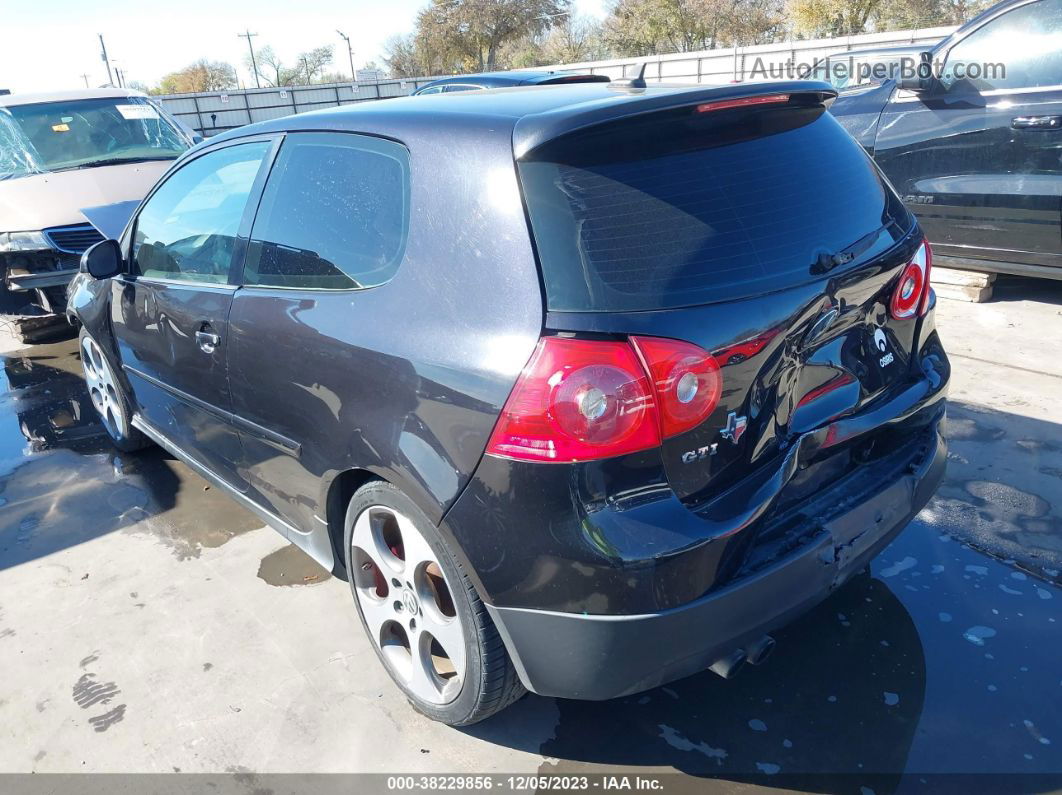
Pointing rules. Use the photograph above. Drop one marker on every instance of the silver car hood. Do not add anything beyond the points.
(40, 201)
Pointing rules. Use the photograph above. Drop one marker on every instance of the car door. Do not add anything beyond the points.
(307, 388)
(170, 312)
(978, 155)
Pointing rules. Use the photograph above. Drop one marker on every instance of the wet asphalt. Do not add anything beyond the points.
(944, 657)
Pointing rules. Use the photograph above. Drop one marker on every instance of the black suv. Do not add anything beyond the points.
(974, 143)
(586, 388)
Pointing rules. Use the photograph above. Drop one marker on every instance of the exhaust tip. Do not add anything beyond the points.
(728, 666)
(760, 650)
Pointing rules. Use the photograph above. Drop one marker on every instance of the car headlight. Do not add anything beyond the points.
(23, 241)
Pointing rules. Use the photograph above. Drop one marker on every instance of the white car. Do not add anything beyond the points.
(59, 154)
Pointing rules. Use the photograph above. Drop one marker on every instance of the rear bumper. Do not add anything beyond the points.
(597, 657)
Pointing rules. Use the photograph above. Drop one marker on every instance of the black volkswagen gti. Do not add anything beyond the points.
(586, 388)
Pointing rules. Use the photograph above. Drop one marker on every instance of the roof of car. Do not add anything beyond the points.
(516, 78)
(35, 98)
(529, 115)
(884, 52)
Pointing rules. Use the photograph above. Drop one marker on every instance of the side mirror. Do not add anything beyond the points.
(917, 74)
(197, 138)
(103, 260)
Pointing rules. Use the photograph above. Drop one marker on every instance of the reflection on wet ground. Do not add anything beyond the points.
(939, 659)
(62, 483)
(291, 566)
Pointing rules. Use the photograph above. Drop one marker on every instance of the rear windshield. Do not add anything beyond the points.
(692, 207)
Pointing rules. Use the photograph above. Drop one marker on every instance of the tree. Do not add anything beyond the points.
(828, 18)
(314, 61)
(469, 35)
(822, 18)
(572, 41)
(203, 75)
(271, 70)
(646, 27)
(400, 56)
(309, 68)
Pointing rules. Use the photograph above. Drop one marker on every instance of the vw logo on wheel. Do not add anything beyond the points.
(410, 601)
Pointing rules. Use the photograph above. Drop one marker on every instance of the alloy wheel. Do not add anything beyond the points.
(102, 387)
(407, 604)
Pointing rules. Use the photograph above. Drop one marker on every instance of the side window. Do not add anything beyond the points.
(187, 230)
(334, 214)
(1020, 49)
(450, 89)
(432, 90)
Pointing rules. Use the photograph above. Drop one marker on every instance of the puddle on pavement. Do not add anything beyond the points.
(62, 483)
(940, 660)
(998, 491)
(291, 566)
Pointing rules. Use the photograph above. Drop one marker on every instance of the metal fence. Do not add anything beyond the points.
(213, 112)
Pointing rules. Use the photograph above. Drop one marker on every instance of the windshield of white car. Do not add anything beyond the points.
(84, 133)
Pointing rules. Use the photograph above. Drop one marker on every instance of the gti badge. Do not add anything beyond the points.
(735, 427)
(700, 453)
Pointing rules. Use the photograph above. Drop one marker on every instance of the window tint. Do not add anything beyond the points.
(334, 214)
(187, 230)
(686, 208)
(1027, 42)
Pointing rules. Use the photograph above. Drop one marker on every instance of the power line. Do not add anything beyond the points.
(254, 65)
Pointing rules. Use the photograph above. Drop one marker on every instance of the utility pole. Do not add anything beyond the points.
(254, 66)
(103, 57)
(306, 70)
(350, 52)
(85, 78)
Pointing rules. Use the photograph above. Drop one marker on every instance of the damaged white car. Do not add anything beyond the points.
(59, 154)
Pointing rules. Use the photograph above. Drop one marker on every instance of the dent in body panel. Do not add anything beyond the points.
(859, 112)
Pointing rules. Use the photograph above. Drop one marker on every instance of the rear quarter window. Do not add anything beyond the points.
(687, 208)
(334, 214)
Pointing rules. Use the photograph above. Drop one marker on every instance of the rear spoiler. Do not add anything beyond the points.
(532, 131)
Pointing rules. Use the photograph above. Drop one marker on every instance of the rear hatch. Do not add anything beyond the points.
(757, 230)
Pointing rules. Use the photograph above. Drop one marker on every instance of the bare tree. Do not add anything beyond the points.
(203, 75)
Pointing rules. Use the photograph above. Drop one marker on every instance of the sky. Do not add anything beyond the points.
(49, 44)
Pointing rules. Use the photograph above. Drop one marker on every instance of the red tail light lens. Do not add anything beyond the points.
(911, 295)
(687, 381)
(578, 400)
(742, 102)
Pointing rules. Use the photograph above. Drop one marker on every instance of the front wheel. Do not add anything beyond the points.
(107, 397)
(421, 612)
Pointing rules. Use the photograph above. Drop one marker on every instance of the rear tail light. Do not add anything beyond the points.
(579, 400)
(911, 295)
(686, 379)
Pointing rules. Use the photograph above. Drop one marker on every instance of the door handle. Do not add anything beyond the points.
(208, 341)
(1037, 123)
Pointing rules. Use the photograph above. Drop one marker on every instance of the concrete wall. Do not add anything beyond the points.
(214, 112)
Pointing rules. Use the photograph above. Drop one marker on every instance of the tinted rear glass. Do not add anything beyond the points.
(688, 208)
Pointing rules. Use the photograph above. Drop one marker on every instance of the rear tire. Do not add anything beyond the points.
(108, 397)
(408, 588)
